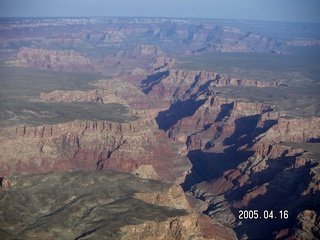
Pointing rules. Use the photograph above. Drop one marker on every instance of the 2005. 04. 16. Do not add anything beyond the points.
(265, 214)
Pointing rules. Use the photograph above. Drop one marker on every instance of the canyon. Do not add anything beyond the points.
(115, 124)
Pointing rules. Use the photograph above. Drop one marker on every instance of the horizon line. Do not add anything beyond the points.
(161, 17)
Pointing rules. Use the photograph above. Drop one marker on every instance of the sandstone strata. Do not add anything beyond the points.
(163, 63)
(276, 178)
(91, 145)
(217, 119)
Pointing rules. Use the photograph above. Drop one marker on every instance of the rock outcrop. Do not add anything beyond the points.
(107, 91)
(163, 63)
(220, 121)
(68, 60)
(307, 225)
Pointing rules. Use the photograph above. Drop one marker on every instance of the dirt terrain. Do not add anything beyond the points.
(115, 128)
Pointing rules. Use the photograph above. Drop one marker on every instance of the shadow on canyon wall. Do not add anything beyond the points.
(224, 111)
(176, 112)
(152, 80)
(244, 126)
(208, 165)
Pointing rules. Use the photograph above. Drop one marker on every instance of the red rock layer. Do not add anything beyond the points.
(91, 145)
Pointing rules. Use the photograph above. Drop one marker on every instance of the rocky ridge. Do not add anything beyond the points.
(122, 62)
(67, 60)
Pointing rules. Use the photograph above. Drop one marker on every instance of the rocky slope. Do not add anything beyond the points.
(94, 205)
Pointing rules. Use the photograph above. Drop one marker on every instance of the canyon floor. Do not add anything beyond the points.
(151, 128)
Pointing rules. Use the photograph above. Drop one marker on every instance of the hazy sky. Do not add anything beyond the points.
(276, 10)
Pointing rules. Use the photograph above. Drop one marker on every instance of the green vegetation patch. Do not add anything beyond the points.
(19, 85)
(292, 101)
(21, 82)
(313, 149)
(78, 205)
(310, 147)
(37, 113)
(296, 63)
(298, 68)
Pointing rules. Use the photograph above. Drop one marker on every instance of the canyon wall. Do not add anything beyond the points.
(239, 153)
(179, 84)
(89, 145)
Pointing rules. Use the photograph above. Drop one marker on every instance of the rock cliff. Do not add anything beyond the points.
(293, 129)
(163, 63)
(220, 121)
(89, 145)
